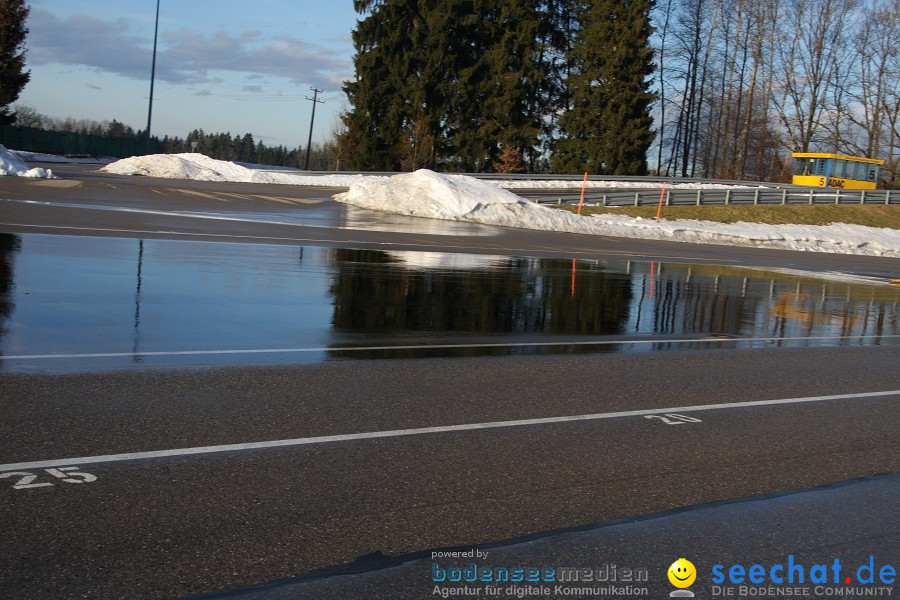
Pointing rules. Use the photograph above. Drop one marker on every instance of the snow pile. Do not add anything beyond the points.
(428, 194)
(461, 198)
(11, 164)
(180, 166)
(837, 238)
(203, 168)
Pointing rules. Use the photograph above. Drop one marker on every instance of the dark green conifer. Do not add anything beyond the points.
(459, 78)
(13, 76)
(607, 128)
(387, 43)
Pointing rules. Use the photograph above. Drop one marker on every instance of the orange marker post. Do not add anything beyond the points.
(662, 195)
(583, 185)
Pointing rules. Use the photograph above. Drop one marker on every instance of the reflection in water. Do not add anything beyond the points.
(740, 302)
(375, 220)
(375, 293)
(166, 302)
(136, 347)
(382, 294)
(9, 245)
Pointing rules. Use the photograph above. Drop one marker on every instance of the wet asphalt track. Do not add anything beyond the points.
(185, 524)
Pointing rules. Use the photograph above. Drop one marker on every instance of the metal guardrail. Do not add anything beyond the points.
(744, 192)
(759, 195)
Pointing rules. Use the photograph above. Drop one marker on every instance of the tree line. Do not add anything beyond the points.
(500, 85)
(243, 148)
(706, 88)
(27, 116)
(221, 146)
(743, 83)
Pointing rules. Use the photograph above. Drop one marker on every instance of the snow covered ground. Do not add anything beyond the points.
(12, 164)
(202, 168)
(460, 198)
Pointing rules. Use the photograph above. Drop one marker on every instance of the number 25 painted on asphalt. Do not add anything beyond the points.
(67, 474)
(673, 419)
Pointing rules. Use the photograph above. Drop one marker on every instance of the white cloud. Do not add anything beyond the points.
(86, 40)
(184, 56)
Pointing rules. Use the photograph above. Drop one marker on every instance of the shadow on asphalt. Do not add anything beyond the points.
(853, 522)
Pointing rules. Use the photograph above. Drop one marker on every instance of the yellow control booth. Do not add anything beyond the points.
(818, 169)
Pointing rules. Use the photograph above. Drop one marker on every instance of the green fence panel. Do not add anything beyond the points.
(66, 143)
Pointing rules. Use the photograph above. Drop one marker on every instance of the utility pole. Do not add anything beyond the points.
(152, 76)
(311, 121)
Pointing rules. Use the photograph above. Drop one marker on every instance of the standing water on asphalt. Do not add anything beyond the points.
(70, 303)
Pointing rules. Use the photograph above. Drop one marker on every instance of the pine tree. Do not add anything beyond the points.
(556, 26)
(498, 80)
(462, 76)
(607, 130)
(13, 76)
(384, 92)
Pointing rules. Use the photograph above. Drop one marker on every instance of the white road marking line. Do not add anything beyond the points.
(108, 458)
(510, 344)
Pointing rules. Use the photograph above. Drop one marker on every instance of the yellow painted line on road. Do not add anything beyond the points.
(273, 199)
(56, 183)
(233, 195)
(199, 194)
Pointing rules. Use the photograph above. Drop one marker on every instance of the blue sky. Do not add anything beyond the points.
(222, 65)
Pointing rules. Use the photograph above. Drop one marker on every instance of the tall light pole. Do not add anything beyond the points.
(311, 121)
(152, 77)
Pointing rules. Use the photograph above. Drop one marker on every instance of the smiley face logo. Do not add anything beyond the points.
(682, 573)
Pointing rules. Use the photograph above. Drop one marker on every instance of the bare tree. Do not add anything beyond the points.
(890, 116)
(27, 116)
(811, 63)
(417, 144)
(335, 147)
(663, 31)
(875, 48)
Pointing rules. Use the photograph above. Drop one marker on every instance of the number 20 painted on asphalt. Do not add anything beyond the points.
(67, 474)
(673, 419)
